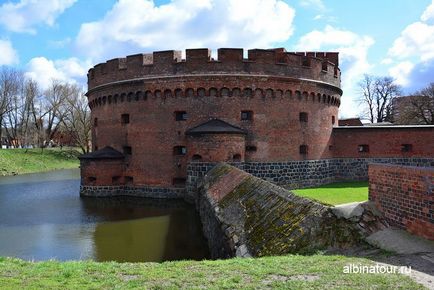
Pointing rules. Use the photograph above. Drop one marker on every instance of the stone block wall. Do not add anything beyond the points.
(405, 195)
(299, 174)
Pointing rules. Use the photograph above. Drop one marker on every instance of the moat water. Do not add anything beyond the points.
(43, 217)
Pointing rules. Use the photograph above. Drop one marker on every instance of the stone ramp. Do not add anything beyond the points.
(244, 215)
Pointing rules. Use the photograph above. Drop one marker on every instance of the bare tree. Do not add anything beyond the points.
(77, 120)
(417, 108)
(377, 96)
(10, 89)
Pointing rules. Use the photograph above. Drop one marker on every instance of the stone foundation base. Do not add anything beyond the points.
(136, 191)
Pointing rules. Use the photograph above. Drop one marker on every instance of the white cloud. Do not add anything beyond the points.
(353, 55)
(417, 39)
(428, 13)
(139, 25)
(415, 44)
(24, 15)
(44, 70)
(8, 55)
(401, 72)
(316, 4)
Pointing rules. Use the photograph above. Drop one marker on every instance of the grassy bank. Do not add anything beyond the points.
(337, 193)
(19, 161)
(295, 272)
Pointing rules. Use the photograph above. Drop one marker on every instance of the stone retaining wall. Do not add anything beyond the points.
(405, 195)
(299, 174)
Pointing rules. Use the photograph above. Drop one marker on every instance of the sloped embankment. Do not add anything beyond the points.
(243, 215)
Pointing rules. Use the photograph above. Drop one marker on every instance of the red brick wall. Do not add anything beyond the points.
(152, 132)
(216, 148)
(102, 170)
(383, 142)
(405, 195)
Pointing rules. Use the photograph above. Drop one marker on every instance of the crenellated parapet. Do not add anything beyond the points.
(317, 66)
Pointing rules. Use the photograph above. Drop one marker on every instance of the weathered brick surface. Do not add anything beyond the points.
(299, 174)
(383, 141)
(276, 86)
(243, 215)
(405, 195)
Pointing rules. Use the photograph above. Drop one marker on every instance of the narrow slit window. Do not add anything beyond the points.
(179, 150)
(251, 148)
(179, 181)
(363, 148)
(406, 147)
(246, 115)
(181, 116)
(303, 117)
(127, 150)
(303, 149)
(125, 119)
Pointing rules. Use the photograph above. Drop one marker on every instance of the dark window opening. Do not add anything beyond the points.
(129, 180)
(116, 180)
(324, 66)
(196, 157)
(364, 148)
(246, 115)
(330, 147)
(91, 180)
(236, 158)
(305, 61)
(406, 147)
(251, 148)
(95, 122)
(125, 119)
(303, 117)
(179, 150)
(333, 120)
(127, 150)
(179, 181)
(303, 149)
(180, 115)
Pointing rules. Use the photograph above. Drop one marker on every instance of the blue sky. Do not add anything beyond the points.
(63, 38)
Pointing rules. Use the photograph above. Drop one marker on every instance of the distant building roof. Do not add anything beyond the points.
(215, 126)
(104, 153)
(350, 122)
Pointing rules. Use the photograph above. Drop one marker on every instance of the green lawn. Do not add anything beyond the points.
(284, 272)
(18, 161)
(337, 193)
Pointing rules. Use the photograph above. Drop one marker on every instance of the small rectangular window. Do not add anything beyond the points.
(181, 116)
(246, 115)
(303, 149)
(125, 119)
(179, 181)
(179, 150)
(95, 122)
(303, 117)
(363, 148)
(127, 150)
(129, 180)
(116, 180)
(333, 120)
(251, 148)
(406, 147)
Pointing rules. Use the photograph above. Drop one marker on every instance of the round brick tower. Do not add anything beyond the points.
(162, 112)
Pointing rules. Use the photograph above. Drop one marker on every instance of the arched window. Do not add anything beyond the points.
(196, 157)
(236, 158)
